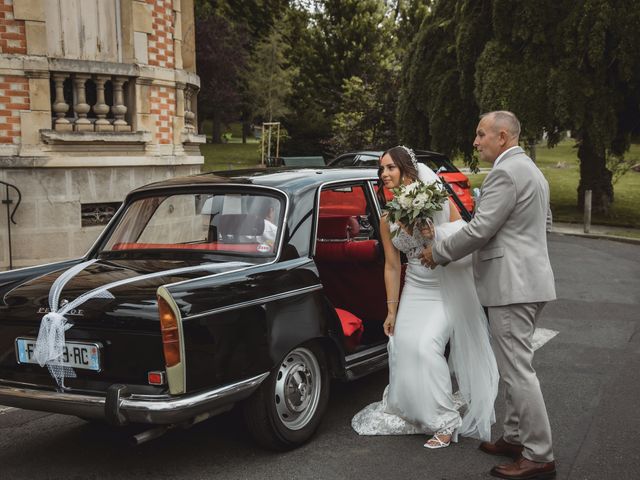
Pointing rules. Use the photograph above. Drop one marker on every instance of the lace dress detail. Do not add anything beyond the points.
(410, 245)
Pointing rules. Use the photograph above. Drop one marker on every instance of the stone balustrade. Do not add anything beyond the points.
(85, 102)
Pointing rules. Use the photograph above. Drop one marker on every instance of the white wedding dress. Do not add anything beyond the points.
(436, 306)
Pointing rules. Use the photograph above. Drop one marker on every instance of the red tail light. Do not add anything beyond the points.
(170, 333)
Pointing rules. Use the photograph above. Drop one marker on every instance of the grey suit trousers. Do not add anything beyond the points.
(526, 421)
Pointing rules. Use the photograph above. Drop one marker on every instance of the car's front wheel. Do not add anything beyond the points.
(288, 406)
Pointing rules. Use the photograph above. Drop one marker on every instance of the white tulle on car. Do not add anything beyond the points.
(50, 343)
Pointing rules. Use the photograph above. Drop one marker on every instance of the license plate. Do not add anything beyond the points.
(85, 356)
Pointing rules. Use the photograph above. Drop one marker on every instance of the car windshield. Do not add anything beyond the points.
(229, 223)
(438, 165)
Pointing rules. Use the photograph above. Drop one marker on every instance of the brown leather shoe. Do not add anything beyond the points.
(501, 447)
(525, 469)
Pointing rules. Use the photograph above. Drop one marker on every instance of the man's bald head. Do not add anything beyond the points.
(504, 120)
(496, 133)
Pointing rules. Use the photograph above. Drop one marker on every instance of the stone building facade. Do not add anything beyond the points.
(97, 97)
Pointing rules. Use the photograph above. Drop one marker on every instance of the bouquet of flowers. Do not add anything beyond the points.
(413, 205)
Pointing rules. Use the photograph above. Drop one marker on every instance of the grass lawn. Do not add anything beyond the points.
(230, 156)
(560, 167)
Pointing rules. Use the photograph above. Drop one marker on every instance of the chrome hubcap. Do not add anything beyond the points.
(298, 388)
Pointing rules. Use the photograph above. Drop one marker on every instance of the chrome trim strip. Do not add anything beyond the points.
(369, 364)
(332, 240)
(137, 408)
(190, 401)
(354, 357)
(367, 361)
(257, 301)
(372, 194)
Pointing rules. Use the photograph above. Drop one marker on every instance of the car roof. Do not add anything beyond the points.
(377, 153)
(284, 178)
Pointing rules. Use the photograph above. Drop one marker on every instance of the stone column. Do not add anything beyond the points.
(60, 106)
(82, 123)
(101, 109)
(119, 109)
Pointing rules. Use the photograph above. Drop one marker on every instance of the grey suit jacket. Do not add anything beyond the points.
(507, 235)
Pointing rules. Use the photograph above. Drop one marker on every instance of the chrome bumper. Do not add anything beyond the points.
(123, 409)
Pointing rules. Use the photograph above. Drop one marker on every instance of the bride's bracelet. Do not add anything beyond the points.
(393, 301)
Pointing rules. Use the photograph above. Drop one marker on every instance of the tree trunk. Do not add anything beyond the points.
(530, 147)
(246, 131)
(594, 176)
(216, 128)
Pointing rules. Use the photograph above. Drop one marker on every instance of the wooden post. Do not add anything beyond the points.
(587, 211)
(262, 144)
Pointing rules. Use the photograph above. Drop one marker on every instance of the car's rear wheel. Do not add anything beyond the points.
(287, 408)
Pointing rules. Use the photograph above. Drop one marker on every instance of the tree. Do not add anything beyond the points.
(558, 65)
(513, 69)
(227, 32)
(437, 108)
(596, 87)
(269, 78)
(352, 128)
(335, 41)
(221, 57)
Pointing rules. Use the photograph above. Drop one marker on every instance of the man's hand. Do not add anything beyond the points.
(427, 258)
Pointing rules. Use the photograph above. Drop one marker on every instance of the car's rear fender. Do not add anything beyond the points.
(242, 324)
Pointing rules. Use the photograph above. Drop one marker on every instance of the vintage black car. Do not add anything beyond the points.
(252, 287)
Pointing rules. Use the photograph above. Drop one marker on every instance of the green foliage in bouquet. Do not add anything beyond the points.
(415, 203)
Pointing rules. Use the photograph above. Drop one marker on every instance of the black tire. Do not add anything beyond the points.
(287, 408)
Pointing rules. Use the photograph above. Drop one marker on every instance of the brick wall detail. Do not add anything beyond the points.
(163, 104)
(161, 53)
(13, 38)
(14, 96)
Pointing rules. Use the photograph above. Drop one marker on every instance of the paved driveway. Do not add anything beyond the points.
(590, 375)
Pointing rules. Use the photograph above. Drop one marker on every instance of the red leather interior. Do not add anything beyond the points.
(351, 251)
(343, 202)
(352, 273)
(352, 328)
(337, 227)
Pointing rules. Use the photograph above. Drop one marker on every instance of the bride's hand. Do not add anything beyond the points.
(389, 324)
(428, 230)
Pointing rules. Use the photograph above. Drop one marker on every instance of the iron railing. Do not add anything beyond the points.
(10, 213)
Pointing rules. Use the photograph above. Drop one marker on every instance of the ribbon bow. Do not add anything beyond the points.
(50, 346)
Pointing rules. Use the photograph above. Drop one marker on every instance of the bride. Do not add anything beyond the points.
(437, 306)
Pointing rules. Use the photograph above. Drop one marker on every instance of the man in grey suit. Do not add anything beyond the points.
(514, 280)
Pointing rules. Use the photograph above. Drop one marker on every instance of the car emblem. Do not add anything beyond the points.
(75, 312)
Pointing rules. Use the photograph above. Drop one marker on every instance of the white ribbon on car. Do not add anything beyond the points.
(49, 349)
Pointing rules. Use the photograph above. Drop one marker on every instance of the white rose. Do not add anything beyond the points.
(404, 201)
(418, 202)
(411, 187)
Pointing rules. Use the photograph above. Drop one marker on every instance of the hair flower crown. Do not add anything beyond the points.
(412, 154)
